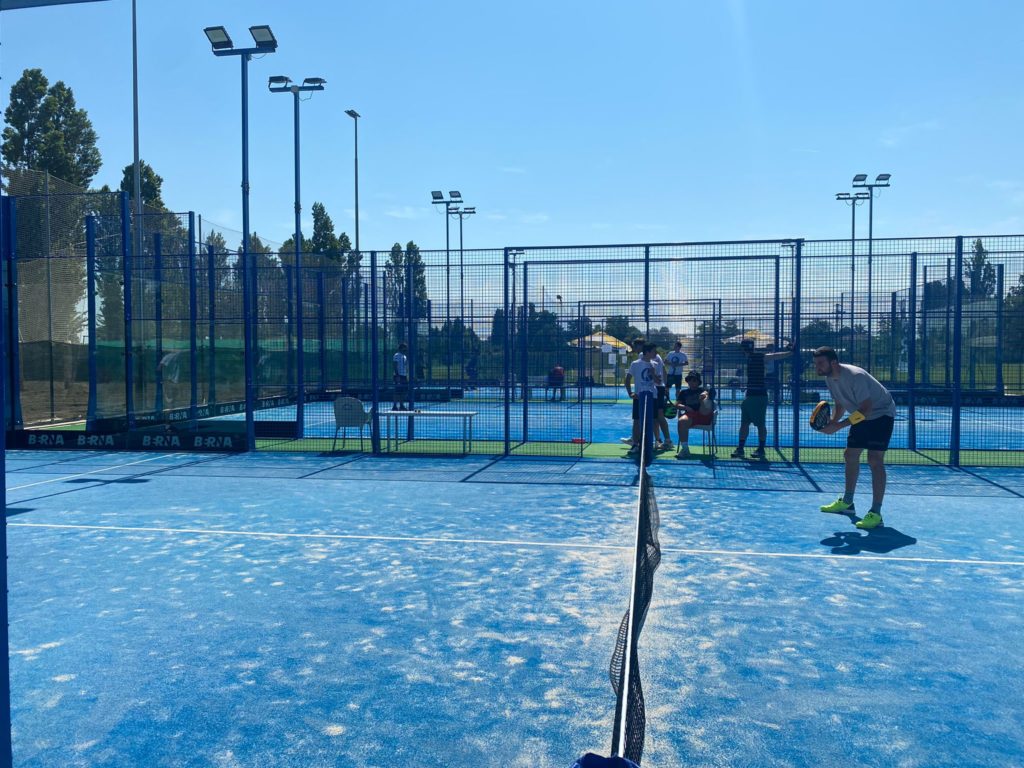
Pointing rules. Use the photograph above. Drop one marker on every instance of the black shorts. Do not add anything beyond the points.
(637, 413)
(873, 434)
(661, 400)
(675, 379)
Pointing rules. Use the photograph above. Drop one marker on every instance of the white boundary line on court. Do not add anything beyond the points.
(518, 543)
(93, 472)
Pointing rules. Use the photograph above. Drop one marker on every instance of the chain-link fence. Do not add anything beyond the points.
(117, 323)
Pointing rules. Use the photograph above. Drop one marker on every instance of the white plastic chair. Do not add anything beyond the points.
(348, 412)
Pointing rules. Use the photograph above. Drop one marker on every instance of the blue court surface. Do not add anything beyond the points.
(297, 610)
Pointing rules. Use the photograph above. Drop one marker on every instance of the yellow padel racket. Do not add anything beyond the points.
(821, 415)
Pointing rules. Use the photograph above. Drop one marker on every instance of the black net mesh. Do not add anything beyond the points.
(630, 710)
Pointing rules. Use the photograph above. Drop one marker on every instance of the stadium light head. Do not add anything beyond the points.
(219, 38)
(263, 37)
(882, 179)
(314, 82)
(862, 196)
(469, 211)
(355, 116)
(843, 196)
(456, 196)
(279, 84)
(437, 197)
(860, 179)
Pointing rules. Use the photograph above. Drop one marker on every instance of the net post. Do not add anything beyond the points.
(90, 300)
(958, 317)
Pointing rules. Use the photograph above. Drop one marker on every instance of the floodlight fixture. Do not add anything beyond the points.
(860, 179)
(862, 196)
(882, 179)
(471, 210)
(437, 197)
(219, 38)
(353, 114)
(844, 196)
(279, 80)
(264, 38)
(314, 81)
(455, 196)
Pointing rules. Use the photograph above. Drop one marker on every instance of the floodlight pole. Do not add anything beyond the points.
(137, 167)
(299, 319)
(462, 213)
(248, 286)
(882, 180)
(853, 201)
(355, 120)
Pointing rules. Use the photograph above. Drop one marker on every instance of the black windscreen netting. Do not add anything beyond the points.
(630, 712)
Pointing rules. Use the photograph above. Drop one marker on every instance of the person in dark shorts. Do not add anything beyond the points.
(872, 415)
(556, 381)
(755, 404)
(400, 377)
(695, 409)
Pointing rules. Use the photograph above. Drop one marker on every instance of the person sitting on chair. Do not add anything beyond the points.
(695, 409)
(556, 382)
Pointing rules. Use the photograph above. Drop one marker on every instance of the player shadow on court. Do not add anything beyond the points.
(877, 541)
(12, 511)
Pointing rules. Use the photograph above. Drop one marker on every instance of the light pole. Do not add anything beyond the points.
(462, 214)
(861, 180)
(282, 84)
(355, 121)
(222, 46)
(853, 201)
(437, 198)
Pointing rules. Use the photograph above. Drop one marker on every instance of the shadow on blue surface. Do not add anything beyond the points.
(877, 541)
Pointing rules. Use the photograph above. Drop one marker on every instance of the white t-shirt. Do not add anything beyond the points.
(401, 364)
(659, 369)
(642, 373)
(676, 361)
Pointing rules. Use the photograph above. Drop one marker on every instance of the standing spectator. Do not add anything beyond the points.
(642, 372)
(556, 382)
(676, 361)
(755, 404)
(400, 365)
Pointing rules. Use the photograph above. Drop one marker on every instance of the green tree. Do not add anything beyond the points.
(620, 327)
(324, 241)
(47, 131)
(151, 183)
(981, 274)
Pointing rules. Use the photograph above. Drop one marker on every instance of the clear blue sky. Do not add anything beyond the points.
(565, 122)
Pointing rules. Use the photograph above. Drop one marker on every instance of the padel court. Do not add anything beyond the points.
(271, 609)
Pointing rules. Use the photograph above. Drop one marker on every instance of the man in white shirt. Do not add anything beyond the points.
(642, 372)
(400, 377)
(872, 415)
(676, 360)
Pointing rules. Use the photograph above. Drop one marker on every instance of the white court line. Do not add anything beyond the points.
(93, 472)
(516, 543)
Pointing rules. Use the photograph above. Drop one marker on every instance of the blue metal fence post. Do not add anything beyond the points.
(999, 329)
(524, 339)
(344, 331)
(300, 346)
(924, 326)
(912, 356)
(797, 356)
(366, 327)
(158, 312)
(254, 278)
(954, 432)
(127, 276)
(193, 319)
(211, 278)
(374, 356)
(90, 306)
(892, 338)
(506, 373)
(777, 335)
(647, 291)
(322, 328)
(6, 300)
(290, 315)
(410, 306)
(9, 240)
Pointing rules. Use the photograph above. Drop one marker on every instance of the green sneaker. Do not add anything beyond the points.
(839, 507)
(871, 520)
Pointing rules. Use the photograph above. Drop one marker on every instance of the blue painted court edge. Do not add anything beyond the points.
(274, 610)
